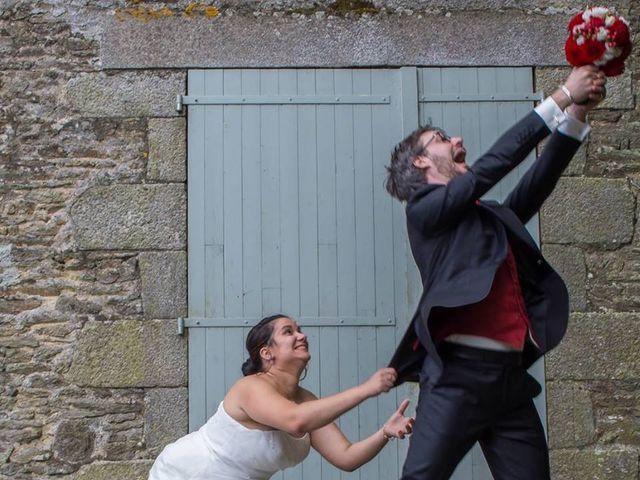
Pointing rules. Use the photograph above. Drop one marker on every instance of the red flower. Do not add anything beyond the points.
(619, 32)
(596, 22)
(575, 20)
(593, 49)
(613, 68)
(574, 53)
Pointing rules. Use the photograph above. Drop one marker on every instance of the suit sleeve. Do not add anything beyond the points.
(537, 184)
(432, 209)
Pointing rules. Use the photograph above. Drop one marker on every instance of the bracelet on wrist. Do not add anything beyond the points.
(567, 92)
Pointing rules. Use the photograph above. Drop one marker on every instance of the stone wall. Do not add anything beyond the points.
(590, 233)
(93, 207)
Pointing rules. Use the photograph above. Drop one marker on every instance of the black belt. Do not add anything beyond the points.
(453, 350)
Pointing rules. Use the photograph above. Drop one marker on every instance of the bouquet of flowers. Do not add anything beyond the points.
(601, 37)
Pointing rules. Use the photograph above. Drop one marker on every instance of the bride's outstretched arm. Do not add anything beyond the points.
(331, 443)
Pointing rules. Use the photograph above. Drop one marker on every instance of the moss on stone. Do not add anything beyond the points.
(109, 355)
(339, 8)
(135, 470)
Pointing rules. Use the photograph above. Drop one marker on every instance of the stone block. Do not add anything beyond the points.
(619, 89)
(135, 217)
(73, 442)
(325, 40)
(129, 353)
(133, 470)
(128, 94)
(167, 150)
(616, 405)
(166, 417)
(569, 262)
(614, 279)
(589, 211)
(595, 348)
(614, 146)
(570, 416)
(547, 79)
(164, 284)
(619, 92)
(596, 463)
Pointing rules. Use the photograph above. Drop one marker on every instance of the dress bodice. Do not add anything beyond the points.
(224, 449)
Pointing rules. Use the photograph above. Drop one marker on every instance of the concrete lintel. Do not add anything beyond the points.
(466, 38)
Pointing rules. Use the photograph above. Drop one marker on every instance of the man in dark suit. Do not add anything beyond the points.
(491, 304)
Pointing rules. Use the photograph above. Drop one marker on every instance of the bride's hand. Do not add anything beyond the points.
(398, 425)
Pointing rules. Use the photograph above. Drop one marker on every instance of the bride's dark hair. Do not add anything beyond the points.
(259, 336)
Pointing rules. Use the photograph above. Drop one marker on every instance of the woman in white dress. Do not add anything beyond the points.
(267, 421)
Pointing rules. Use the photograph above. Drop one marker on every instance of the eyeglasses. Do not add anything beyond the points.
(437, 133)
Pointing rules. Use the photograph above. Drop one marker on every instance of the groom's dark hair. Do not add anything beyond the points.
(403, 177)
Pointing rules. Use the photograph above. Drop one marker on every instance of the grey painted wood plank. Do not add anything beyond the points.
(214, 280)
(270, 202)
(197, 379)
(251, 200)
(405, 272)
(326, 189)
(232, 201)
(196, 259)
(196, 195)
(213, 218)
(328, 357)
(215, 365)
(506, 118)
(363, 200)
(311, 468)
(430, 83)
(345, 197)
(196, 239)
(308, 195)
(469, 126)
(348, 351)
(388, 464)
(382, 143)
(214, 142)
(480, 466)
(464, 470)
(487, 83)
(451, 120)
(233, 348)
(289, 203)
(368, 411)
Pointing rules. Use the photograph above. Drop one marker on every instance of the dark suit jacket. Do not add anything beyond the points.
(458, 242)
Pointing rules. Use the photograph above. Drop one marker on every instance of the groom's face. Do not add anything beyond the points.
(444, 155)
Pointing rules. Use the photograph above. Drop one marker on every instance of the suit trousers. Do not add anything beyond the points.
(478, 396)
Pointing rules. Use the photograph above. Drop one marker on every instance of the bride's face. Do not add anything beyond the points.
(289, 343)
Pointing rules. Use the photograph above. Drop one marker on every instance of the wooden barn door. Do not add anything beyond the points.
(287, 213)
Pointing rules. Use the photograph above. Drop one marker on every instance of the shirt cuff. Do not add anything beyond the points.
(550, 113)
(574, 128)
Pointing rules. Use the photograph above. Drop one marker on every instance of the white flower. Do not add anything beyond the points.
(602, 34)
(580, 40)
(600, 12)
(609, 20)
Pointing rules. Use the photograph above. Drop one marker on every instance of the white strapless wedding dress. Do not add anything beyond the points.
(224, 449)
